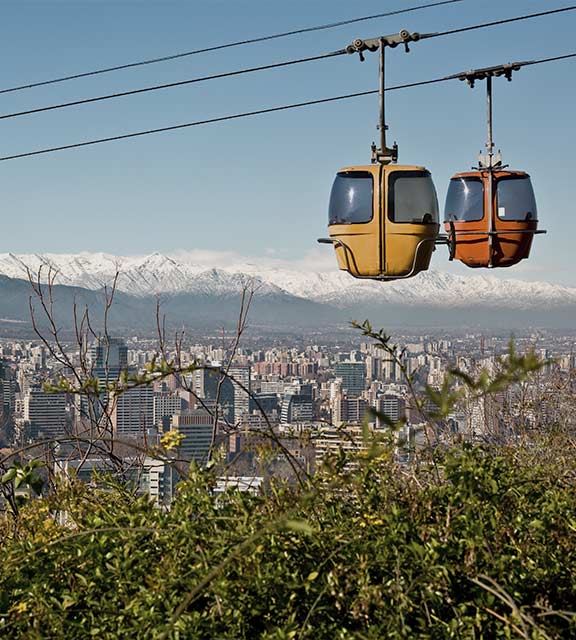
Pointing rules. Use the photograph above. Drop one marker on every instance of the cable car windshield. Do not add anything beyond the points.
(464, 200)
(515, 199)
(351, 199)
(412, 198)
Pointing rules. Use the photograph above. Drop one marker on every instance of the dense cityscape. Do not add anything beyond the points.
(300, 401)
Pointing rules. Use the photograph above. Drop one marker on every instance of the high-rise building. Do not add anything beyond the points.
(45, 413)
(109, 358)
(196, 426)
(240, 375)
(352, 410)
(392, 406)
(211, 382)
(353, 376)
(7, 390)
(373, 367)
(390, 370)
(297, 407)
(166, 403)
(132, 412)
(147, 475)
(267, 403)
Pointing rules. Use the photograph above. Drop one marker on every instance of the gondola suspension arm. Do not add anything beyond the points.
(383, 154)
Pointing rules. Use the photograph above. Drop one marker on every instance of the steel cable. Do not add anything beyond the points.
(228, 45)
(247, 114)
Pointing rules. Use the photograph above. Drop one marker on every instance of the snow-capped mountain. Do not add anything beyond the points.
(159, 274)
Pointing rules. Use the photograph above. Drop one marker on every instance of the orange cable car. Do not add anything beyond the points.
(490, 213)
(492, 216)
(383, 218)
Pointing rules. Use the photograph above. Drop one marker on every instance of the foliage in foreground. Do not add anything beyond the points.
(478, 544)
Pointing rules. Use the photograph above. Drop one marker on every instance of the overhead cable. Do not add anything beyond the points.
(247, 114)
(170, 85)
(286, 63)
(495, 23)
(228, 45)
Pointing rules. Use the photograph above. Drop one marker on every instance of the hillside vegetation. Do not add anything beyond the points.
(476, 544)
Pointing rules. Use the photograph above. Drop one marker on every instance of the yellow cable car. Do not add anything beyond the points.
(383, 220)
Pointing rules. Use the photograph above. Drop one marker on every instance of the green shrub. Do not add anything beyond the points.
(478, 545)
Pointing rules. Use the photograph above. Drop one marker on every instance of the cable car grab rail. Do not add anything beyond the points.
(500, 233)
(413, 271)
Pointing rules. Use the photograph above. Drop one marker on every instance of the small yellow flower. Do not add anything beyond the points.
(21, 607)
(171, 439)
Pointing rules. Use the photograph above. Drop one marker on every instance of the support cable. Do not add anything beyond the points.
(495, 23)
(170, 85)
(247, 114)
(275, 65)
(228, 45)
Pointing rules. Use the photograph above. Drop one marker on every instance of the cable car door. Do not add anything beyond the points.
(411, 220)
(355, 220)
(466, 210)
(514, 211)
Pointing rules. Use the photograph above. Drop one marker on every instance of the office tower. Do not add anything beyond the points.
(297, 406)
(132, 412)
(352, 410)
(166, 403)
(353, 376)
(109, 358)
(45, 413)
(267, 402)
(240, 375)
(392, 406)
(211, 382)
(7, 390)
(196, 426)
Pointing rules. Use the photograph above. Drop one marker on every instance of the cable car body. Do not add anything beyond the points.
(383, 220)
(490, 217)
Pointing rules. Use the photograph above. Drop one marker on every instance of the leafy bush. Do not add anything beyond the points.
(478, 543)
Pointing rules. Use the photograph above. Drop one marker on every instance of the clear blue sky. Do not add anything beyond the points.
(260, 186)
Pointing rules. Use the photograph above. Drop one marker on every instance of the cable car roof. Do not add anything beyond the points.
(498, 173)
(390, 167)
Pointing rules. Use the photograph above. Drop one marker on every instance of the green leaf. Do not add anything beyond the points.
(298, 525)
(9, 475)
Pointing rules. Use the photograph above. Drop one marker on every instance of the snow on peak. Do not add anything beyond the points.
(157, 273)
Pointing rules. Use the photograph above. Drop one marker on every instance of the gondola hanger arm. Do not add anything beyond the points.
(382, 154)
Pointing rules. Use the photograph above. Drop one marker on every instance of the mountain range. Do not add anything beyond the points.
(286, 295)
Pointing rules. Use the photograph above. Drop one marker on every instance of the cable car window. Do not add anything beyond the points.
(351, 199)
(515, 199)
(464, 200)
(412, 198)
